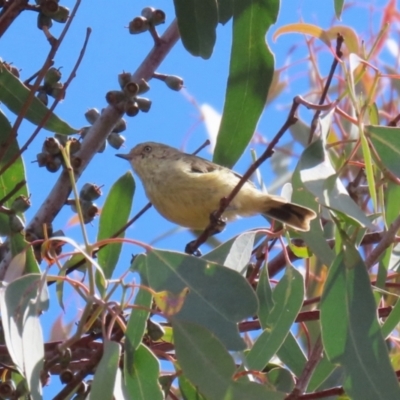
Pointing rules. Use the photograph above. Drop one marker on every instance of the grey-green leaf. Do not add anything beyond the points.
(351, 333)
(218, 297)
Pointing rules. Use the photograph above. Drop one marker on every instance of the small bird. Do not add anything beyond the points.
(186, 189)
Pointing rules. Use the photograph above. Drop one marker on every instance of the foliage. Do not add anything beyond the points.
(316, 318)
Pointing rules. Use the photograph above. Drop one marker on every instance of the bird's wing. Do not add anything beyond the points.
(203, 166)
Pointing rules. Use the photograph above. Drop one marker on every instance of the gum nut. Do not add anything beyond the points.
(124, 78)
(138, 25)
(113, 97)
(53, 164)
(16, 224)
(174, 82)
(131, 108)
(90, 192)
(158, 17)
(143, 104)
(20, 204)
(53, 75)
(61, 15)
(92, 115)
(51, 146)
(120, 126)
(44, 21)
(42, 96)
(115, 140)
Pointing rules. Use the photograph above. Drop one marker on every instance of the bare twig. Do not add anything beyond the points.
(324, 94)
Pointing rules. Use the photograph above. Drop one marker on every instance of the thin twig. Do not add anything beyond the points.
(339, 54)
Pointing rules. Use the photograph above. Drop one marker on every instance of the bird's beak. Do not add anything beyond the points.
(124, 156)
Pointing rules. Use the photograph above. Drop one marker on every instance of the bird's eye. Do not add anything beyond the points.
(147, 149)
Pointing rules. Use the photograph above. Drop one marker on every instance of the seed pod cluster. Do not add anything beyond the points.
(114, 139)
(127, 98)
(50, 156)
(51, 86)
(49, 11)
(87, 195)
(150, 17)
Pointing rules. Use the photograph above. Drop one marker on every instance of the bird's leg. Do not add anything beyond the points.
(217, 225)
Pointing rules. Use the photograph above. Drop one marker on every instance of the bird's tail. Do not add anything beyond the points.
(294, 215)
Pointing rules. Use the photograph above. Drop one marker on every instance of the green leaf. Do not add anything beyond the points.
(225, 11)
(339, 8)
(21, 303)
(392, 320)
(13, 93)
(351, 333)
(188, 390)
(143, 384)
(14, 174)
(320, 178)
(218, 297)
(250, 75)
(281, 379)
(386, 141)
(322, 372)
(290, 352)
(197, 22)
(210, 368)
(114, 215)
(104, 378)
(136, 327)
(288, 298)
